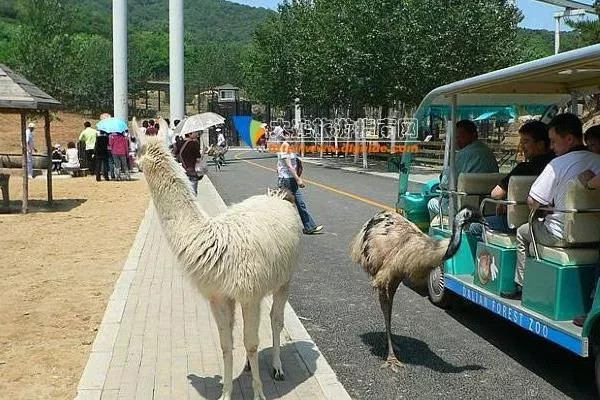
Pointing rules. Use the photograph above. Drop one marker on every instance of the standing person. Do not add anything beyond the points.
(119, 147)
(188, 155)
(88, 136)
(101, 155)
(287, 164)
(30, 141)
(221, 142)
(151, 130)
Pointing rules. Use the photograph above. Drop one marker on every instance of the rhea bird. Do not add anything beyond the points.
(391, 249)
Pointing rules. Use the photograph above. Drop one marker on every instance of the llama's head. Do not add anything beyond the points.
(282, 193)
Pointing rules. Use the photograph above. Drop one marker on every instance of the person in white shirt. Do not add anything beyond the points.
(550, 189)
(72, 156)
(221, 142)
(30, 141)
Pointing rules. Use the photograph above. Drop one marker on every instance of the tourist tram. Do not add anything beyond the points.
(559, 282)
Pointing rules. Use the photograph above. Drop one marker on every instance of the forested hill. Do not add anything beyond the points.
(205, 20)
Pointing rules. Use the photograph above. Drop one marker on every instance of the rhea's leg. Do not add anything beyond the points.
(386, 300)
(223, 310)
(251, 313)
(280, 297)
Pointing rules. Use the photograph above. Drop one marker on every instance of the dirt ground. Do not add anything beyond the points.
(58, 267)
(64, 127)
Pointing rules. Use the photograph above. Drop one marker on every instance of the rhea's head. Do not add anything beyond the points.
(468, 215)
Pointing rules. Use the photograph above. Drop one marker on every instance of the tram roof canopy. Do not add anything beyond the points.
(549, 80)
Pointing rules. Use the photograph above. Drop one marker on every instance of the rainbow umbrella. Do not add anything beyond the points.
(250, 130)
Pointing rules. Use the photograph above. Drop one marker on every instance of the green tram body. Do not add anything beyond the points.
(553, 293)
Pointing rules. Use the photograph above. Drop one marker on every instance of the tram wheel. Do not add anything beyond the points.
(436, 290)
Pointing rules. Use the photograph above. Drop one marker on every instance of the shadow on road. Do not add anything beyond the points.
(572, 375)
(414, 352)
(297, 370)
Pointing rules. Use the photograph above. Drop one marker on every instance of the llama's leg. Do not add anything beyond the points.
(251, 313)
(386, 300)
(223, 310)
(280, 297)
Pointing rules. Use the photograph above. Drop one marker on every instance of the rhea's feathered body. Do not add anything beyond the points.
(390, 249)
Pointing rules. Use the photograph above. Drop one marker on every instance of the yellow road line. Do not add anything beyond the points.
(323, 186)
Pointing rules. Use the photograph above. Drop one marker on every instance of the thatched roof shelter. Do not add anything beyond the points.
(19, 96)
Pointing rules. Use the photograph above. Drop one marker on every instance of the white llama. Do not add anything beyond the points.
(243, 254)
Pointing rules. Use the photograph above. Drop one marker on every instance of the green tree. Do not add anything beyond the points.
(87, 74)
(42, 41)
(589, 30)
(358, 52)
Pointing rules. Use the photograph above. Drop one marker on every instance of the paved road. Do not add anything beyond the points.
(465, 353)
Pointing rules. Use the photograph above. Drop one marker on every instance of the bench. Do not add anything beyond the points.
(4, 187)
(75, 172)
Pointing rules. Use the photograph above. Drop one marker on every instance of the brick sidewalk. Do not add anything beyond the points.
(158, 339)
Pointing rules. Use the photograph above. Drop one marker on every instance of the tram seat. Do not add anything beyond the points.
(582, 230)
(477, 186)
(517, 215)
(559, 284)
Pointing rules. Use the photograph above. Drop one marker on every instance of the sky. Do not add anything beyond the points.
(538, 15)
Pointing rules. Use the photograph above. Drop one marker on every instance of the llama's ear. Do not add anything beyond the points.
(163, 128)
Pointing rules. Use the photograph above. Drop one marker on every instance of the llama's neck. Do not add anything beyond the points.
(174, 201)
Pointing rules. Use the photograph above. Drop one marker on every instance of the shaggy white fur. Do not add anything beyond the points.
(243, 254)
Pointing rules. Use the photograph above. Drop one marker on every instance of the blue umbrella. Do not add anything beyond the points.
(112, 125)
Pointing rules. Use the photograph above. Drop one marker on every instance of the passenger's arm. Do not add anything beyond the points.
(588, 179)
(533, 204)
(594, 183)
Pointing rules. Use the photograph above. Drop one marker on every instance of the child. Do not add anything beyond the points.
(57, 158)
(592, 139)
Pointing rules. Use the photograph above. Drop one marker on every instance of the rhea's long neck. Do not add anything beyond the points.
(455, 240)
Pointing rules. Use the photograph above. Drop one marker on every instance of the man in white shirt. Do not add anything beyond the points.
(221, 142)
(550, 189)
(30, 140)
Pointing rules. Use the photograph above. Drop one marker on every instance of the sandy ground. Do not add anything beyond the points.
(57, 270)
(64, 127)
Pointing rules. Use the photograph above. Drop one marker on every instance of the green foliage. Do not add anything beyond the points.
(589, 30)
(148, 58)
(358, 52)
(213, 64)
(537, 44)
(87, 72)
(65, 46)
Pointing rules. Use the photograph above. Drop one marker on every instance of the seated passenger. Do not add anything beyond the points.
(535, 144)
(72, 156)
(592, 139)
(591, 182)
(550, 188)
(473, 156)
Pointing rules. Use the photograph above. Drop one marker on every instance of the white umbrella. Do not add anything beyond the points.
(199, 122)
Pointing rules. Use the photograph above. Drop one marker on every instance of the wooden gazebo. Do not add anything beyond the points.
(19, 96)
